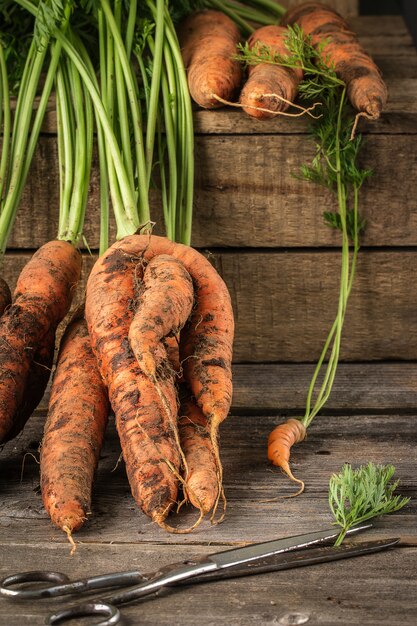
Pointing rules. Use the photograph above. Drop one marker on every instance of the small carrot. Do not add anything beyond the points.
(5, 296)
(208, 42)
(269, 88)
(164, 304)
(143, 419)
(201, 480)
(280, 441)
(42, 298)
(341, 49)
(74, 430)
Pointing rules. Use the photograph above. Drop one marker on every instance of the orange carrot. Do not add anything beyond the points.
(206, 340)
(280, 441)
(164, 304)
(74, 430)
(365, 88)
(269, 88)
(37, 380)
(41, 299)
(5, 296)
(144, 417)
(201, 480)
(208, 41)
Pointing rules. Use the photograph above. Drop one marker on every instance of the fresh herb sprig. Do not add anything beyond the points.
(335, 167)
(358, 495)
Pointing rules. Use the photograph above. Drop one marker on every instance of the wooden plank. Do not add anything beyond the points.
(246, 195)
(358, 387)
(285, 303)
(249, 483)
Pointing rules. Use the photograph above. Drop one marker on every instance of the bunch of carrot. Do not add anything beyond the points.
(155, 338)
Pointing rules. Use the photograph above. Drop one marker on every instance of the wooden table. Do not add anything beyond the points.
(280, 262)
(371, 590)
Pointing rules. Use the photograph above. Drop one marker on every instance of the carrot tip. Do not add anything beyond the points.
(160, 520)
(67, 530)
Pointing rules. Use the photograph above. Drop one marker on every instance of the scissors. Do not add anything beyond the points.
(251, 559)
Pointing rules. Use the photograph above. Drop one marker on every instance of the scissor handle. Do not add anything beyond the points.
(31, 577)
(62, 585)
(88, 609)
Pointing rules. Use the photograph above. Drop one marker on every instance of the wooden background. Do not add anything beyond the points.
(264, 228)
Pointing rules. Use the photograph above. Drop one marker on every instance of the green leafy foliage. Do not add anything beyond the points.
(356, 496)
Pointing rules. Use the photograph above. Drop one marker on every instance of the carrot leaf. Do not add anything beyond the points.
(358, 495)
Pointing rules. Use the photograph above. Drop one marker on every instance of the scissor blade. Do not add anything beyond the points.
(256, 551)
(303, 558)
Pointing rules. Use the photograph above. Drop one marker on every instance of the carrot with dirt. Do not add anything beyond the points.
(74, 430)
(270, 88)
(144, 422)
(340, 49)
(164, 304)
(42, 298)
(207, 350)
(201, 480)
(208, 42)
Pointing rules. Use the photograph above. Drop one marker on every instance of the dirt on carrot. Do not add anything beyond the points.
(208, 42)
(164, 303)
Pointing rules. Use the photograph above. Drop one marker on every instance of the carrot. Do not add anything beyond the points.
(74, 430)
(201, 480)
(41, 299)
(5, 296)
(143, 419)
(37, 380)
(269, 88)
(280, 441)
(366, 90)
(208, 41)
(207, 338)
(164, 304)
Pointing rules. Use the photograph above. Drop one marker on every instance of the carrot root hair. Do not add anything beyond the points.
(303, 110)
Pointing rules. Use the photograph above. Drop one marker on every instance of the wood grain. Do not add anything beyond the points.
(285, 302)
(247, 195)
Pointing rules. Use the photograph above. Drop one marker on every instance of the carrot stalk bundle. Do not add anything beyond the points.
(208, 42)
(269, 88)
(339, 48)
(41, 300)
(74, 430)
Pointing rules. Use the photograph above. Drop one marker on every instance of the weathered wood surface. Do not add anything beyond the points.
(285, 302)
(282, 387)
(247, 195)
(372, 590)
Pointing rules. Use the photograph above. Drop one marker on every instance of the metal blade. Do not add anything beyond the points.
(281, 561)
(256, 551)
